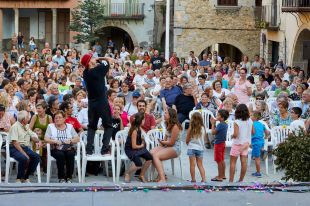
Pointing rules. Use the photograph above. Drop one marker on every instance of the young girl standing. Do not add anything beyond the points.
(243, 128)
(135, 149)
(195, 141)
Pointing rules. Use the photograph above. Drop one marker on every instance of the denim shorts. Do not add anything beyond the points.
(195, 153)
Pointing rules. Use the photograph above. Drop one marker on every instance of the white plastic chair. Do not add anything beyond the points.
(10, 159)
(278, 135)
(269, 102)
(151, 141)
(96, 156)
(51, 159)
(120, 140)
(230, 132)
(206, 116)
(266, 144)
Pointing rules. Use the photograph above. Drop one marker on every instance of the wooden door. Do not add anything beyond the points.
(48, 27)
(24, 28)
(63, 31)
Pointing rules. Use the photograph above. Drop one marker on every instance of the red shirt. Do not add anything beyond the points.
(148, 122)
(75, 123)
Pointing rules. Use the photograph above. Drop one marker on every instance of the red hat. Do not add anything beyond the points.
(86, 59)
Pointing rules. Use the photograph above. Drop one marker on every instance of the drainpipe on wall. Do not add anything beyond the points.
(285, 50)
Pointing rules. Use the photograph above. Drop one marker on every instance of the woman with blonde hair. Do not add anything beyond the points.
(120, 101)
(77, 101)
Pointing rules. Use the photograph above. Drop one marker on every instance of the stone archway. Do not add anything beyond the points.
(231, 43)
(297, 50)
(119, 35)
(225, 50)
(198, 40)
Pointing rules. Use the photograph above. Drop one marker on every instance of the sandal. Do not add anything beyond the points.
(216, 180)
(141, 179)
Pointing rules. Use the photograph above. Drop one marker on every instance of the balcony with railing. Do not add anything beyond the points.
(124, 11)
(271, 16)
(295, 5)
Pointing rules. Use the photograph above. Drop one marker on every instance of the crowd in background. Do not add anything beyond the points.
(47, 85)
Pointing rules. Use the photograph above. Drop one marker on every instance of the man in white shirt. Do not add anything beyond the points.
(59, 58)
(157, 76)
(131, 107)
(139, 61)
(123, 54)
(192, 59)
(139, 78)
(21, 136)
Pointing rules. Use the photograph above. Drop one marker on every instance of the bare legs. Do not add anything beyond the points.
(221, 167)
(233, 161)
(160, 154)
(257, 164)
(133, 168)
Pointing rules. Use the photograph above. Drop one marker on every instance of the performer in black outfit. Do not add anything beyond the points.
(98, 106)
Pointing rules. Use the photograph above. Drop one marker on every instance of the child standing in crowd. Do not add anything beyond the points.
(257, 142)
(195, 141)
(243, 127)
(117, 122)
(135, 149)
(220, 132)
(298, 125)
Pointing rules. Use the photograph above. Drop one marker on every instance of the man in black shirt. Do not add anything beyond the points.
(184, 103)
(268, 75)
(98, 106)
(156, 61)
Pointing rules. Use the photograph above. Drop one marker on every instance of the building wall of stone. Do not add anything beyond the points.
(199, 24)
(288, 36)
(140, 31)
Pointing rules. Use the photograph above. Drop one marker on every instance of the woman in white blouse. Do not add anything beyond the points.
(62, 138)
(218, 91)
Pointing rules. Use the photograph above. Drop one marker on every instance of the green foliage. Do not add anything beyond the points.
(85, 18)
(293, 156)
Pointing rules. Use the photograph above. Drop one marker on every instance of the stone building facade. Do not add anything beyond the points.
(129, 22)
(201, 24)
(286, 34)
(46, 21)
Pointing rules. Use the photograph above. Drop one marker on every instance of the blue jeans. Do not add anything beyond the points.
(25, 166)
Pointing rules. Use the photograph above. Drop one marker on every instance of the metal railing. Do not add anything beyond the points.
(295, 5)
(132, 10)
(271, 15)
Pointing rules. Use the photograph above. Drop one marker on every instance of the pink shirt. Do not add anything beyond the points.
(124, 117)
(241, 92)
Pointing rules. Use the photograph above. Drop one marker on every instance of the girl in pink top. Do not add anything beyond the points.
(243, 88)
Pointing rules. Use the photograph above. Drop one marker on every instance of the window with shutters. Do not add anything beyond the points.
(227, 2)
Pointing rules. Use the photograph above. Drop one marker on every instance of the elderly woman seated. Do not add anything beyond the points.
(62, 138)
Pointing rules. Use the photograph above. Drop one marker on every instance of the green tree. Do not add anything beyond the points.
(85, 18)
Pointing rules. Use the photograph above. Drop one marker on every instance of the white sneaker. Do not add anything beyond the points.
(18, 181)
